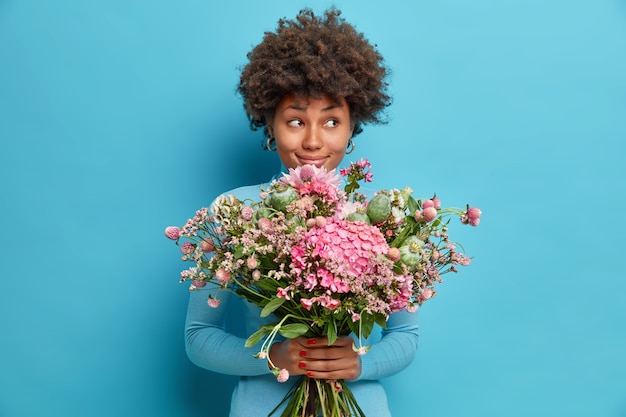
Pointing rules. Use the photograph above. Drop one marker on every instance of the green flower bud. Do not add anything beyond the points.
(280, 199)
(379, 208)
(262, 212)
(410, 251)
(358, 217)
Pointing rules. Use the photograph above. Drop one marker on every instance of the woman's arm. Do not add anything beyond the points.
(395, 350)
(210, 346)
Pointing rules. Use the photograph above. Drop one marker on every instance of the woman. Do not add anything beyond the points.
(310, 85)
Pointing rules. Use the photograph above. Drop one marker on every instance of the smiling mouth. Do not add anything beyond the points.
(318, 161)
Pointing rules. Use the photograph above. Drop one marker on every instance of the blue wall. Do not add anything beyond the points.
(118, 118)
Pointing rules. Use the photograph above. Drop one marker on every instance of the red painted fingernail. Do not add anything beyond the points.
(309, 374)
(302, 365)
(310, 342)
(303, 353)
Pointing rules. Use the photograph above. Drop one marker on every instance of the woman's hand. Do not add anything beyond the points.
(313, 357)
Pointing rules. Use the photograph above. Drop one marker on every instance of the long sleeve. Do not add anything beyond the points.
(210, 346)
(395, 350)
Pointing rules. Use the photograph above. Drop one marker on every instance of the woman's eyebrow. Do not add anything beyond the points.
(300, 108)
(334, 106)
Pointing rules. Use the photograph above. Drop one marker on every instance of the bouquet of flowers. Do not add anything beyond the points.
(325, 260)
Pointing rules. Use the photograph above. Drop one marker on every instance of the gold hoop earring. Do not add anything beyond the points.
(270, 145)
(350, 147)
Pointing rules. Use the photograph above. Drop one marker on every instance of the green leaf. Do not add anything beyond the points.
(272, 306)
(367, 324)
(257, 336)
(354, 326)
(238, 252)
(332, 332)
(412, 205)
(293, 330)
(267, 285)
(381, 320)
(249, 296)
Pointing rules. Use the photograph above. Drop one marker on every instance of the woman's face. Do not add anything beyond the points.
(311, 131)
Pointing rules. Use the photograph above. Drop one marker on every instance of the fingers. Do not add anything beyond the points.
(337, 361)
(288, 353)
(315, 358)
(344, 368)
(322, 342)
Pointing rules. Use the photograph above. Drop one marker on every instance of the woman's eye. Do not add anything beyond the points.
(332, 123)
(294, 123)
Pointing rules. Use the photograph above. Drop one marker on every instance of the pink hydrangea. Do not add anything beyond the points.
(344, 257)
(353, 242)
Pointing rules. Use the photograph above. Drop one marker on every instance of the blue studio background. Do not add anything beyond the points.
(118, 118)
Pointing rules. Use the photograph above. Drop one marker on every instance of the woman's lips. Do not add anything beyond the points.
(318, 161)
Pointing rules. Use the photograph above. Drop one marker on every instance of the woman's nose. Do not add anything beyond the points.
(312, 139)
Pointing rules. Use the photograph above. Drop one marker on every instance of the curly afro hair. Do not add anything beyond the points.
(311, 56)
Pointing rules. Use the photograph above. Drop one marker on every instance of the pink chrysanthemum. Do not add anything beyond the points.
(310, 173)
